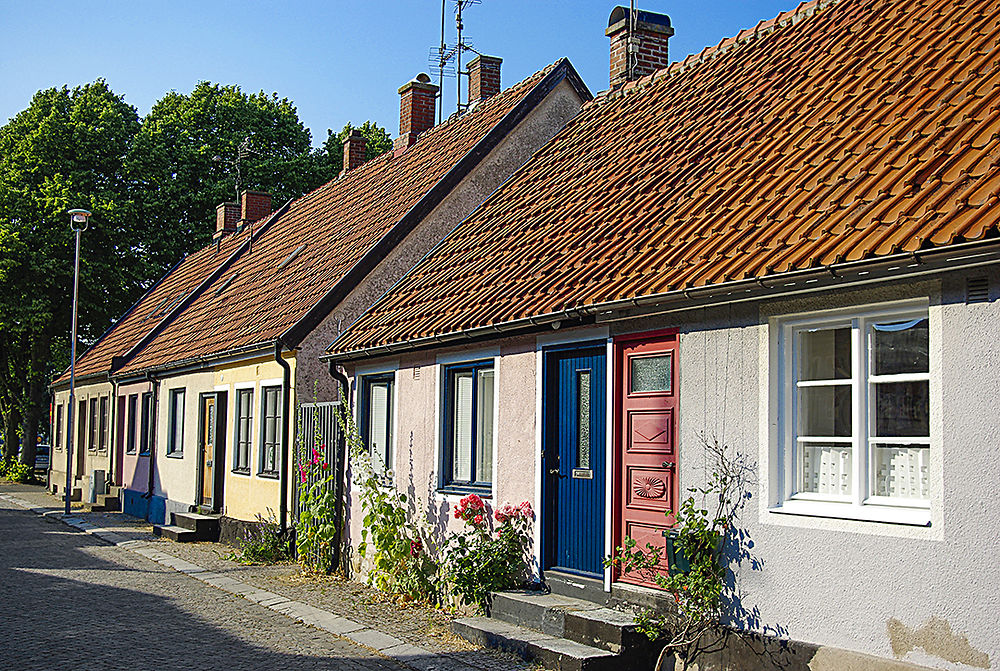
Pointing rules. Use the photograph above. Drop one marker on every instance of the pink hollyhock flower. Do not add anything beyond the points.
(478, 519)
(458, 513)
(526, 510)
(303, 477)
(474, 502)
(415, 548)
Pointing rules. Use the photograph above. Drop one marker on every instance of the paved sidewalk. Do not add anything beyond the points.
(416, 636)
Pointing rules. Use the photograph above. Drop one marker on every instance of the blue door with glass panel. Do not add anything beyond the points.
(574, 460)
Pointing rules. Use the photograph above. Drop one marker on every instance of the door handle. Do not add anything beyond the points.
(668, 464)
(553, 471)
(208, 464)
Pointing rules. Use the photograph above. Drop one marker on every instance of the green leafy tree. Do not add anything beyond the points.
(196, 150)
(66, 150)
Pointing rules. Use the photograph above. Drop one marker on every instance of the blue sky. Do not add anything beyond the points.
(337, 61)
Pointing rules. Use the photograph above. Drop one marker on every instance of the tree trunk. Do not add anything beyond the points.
(11, 439)
(29, 431)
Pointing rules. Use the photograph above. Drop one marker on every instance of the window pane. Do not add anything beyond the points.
(825, 354)
(650, 373)
(462, 427)
(378, 423)
(177, 422)
(484, 427)
(902, 409)
(901, 471)
(900, 347)
(826, 469)
(583, 419)
(825, 411)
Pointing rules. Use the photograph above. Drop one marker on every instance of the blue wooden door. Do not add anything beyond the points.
(574, 460)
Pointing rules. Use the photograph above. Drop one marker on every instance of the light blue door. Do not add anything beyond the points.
(574, 460)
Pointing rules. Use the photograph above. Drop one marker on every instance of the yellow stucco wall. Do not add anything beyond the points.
(247, 495)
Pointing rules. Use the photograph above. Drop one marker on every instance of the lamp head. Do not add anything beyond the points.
(79, 219)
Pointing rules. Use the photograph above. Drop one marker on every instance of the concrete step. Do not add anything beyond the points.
(573, 619)
(206, 526)
(550, 651)
(175, 533)
(576, 586)
(106, 503)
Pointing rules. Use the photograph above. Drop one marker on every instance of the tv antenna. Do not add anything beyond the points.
(243, 152)
(442, 57)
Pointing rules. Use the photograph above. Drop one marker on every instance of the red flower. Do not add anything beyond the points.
(478, 519)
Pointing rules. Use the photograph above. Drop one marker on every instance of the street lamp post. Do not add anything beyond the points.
(78, 222)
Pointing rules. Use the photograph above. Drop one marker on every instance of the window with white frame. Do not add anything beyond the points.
(855, 410)
(175, 437)
(102, 413)
(468, 443)
(147, 424)
(376, 420)
(270, 437)
(244, 419)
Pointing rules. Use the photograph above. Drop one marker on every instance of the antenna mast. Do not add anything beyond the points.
(442, 55)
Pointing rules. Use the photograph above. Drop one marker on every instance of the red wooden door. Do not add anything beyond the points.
(646, 440)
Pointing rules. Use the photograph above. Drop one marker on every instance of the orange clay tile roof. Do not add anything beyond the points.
(263, 295)
(836, 132)
(152, 308)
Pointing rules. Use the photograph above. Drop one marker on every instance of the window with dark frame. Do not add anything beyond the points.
(94, 425)
(244, 419)
(130, 424)
(59, 427)
(102, 433)
(270, 436)
(146, 424)
(468, 435)
(175, 423)
(81, 426)
(376, 421)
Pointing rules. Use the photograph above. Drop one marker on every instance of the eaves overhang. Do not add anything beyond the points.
(852, 273)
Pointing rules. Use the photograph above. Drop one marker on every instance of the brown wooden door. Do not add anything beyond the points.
(208, 439)
(646, 439)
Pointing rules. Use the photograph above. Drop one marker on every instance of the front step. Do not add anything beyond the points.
(551, 651)
(106, 503)
(175, 533)
(561, 632)
(189, 527)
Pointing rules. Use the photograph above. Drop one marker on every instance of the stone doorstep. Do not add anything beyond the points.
(532, 645)
(570, 618)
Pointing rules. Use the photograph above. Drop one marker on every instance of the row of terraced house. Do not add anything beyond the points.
(786, 244)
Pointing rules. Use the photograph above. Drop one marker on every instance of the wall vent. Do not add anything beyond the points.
(977, 290)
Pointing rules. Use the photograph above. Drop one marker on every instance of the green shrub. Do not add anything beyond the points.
(263, 543)
(15, 471)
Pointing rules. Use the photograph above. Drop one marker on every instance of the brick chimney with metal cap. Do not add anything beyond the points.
(417, 100)
(484, 78)
(639, 45)
(355, 148)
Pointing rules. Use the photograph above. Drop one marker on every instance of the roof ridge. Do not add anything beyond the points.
(763, 28)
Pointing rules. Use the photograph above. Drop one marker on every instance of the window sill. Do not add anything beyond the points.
(920, 517)
(174, 455)
(268, 475)
(463, 490)
(144, 454)
(241, 471)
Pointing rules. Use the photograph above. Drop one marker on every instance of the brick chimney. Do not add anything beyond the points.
(647, 46)
(254, 205)
(484, 78)
(227, 216)
(417, 99)
(355, 147)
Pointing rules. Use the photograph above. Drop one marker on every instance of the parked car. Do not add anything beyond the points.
(42, 455)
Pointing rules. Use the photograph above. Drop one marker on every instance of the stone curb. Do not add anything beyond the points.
(388, 646)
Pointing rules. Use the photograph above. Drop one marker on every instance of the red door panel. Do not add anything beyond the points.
(645, 440)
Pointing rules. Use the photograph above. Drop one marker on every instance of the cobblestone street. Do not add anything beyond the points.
(70, 601)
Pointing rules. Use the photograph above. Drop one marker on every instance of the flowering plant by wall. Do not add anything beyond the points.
(484, 558)
(316, 527)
